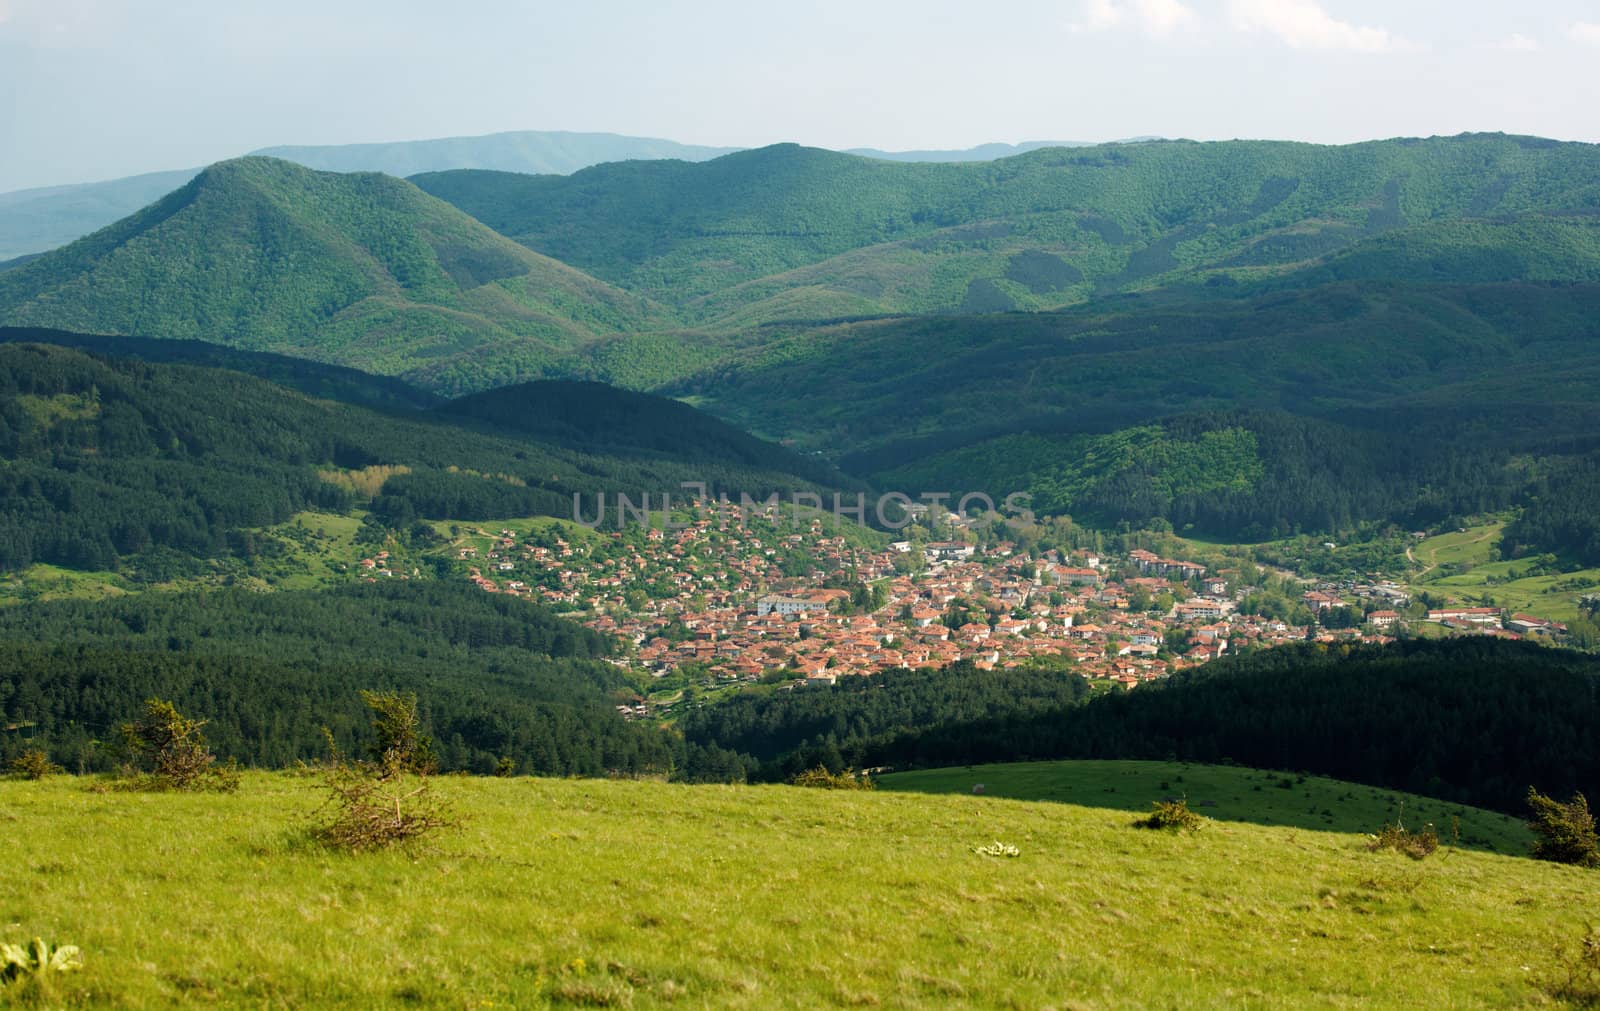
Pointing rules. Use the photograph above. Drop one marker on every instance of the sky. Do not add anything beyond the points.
(99, 89)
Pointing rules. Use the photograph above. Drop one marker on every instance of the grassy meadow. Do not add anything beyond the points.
(1460, 564)
(561, 893)
(1224, 793)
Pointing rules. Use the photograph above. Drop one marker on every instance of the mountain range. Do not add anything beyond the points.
(1130, 332)
(39, 219)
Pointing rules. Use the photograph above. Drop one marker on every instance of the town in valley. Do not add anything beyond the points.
(736, 597)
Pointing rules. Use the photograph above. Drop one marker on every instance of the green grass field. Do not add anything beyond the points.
(1225, 793)
(1471, 546)
(1473, 549)
(642, 894)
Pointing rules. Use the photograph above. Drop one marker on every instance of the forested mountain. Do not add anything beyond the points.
(1406, 326)
(794, 233)
(1470, 720)
(326, 382)
(1304, 410)
(496, 676)
(765, 734)
(108, 459)
(599, 419)
(359, 270)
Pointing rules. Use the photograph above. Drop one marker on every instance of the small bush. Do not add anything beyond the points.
(33, 764)
(1415, 845)
(389, 800)
(366, 810)
(1566, 832)
(174, 753)
(1172, 814)
(822, 779)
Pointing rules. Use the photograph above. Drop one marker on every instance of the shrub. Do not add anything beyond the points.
(33, 764)
(1415, 845)
(822, 779)
(388, 800)
(1172, 814)
(368, 810)
(1565, 832)
(175, 752)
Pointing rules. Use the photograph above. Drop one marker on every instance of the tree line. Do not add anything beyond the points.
(498, 678)
(1469, 720)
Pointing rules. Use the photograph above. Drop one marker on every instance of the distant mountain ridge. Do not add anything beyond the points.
(982, 152)
(997, 323)
(792, 234)
(536, 152)
(39, 219)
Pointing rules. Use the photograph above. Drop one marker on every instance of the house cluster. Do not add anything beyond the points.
(1495, 621)
(740, 601)
(1378, 600)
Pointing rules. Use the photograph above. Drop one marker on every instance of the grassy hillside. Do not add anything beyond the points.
(360, 270)
(572, 893)
(1477, 565)
(788, 232)
(1225, 793)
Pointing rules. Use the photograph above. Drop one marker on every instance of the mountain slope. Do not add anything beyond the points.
(1044, 229)
(982, 152)
(1254, 417)
(325, 382)
(107, 462)
(500, 676)
(37, 220)
(596, 418)
(360, 270)
(1092, 912)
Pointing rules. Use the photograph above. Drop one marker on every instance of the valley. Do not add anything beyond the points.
(433, 574)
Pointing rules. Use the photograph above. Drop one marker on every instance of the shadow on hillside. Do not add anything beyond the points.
(1225, 793)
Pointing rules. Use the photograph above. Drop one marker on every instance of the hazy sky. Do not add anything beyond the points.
(94, 89)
